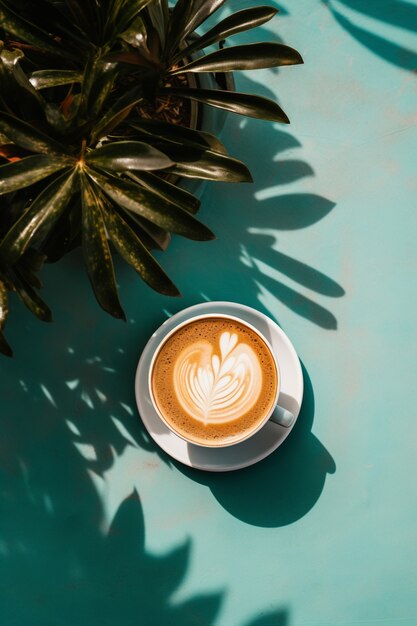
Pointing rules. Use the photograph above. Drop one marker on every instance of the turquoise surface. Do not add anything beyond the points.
(97, 525)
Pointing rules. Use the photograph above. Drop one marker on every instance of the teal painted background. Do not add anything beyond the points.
(97, 526)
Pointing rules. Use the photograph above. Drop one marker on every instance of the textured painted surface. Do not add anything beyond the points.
(96, 525)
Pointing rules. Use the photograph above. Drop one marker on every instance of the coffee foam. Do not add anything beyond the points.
(214, 380)
(216, 384)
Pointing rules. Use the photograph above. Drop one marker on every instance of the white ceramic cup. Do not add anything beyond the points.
(277, 414)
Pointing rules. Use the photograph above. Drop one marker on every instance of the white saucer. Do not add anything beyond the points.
(264, 441)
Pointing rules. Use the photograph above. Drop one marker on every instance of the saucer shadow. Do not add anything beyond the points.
(282, 488)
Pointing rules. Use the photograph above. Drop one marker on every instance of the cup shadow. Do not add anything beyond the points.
(282, 488)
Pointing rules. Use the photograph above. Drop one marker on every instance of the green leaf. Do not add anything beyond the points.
(168, 191)
(178, 134)
(32, 260)
(136, 34)
(38, 218)
(87, 16)
(127, 155)
(200, 11)
(251, 56)
(159, 15)
(66, 232)
(195, 161)
(4, 310)
(4, 346)
(206, 164)
(124, 13)
(44, 79)
(187, 16)
(4, 304)
(150, 206)
(132, 250)
(102, 87)
(77, 11)
(31, 34)
(97, 83)
(97, 253)
(27, 171)
(151, 236)
(139, 57)
(17, 88)
(117, 113)
(30, 298)
(241, 103)
(50, 17)
(236, 23)
(28, 137)
(31, 278)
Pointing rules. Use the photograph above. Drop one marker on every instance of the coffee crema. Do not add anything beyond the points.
(214, 380)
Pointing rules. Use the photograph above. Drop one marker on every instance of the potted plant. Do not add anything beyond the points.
(100, 121)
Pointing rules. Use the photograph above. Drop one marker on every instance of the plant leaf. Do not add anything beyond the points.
(78, 15)
(30, 298)
(187, 16)
(132, 250)
(31, 34)
(32, 260)
(4, 310)
(29, 276)
(117, 113)
(206, 164)
(44, 79)
(4, 304)
(151, 235)
(192, 161)
(235, 23)
(27, 136)
(136, 34)
(159, 15)
(126, 12)
(241, 103)
(250, 56)
(97, 253)
(27, 171)
(200, 11)
(152, 207)
(128, 155)
(167, 190)
(38, 218)
(178, 134)
(87, 16)
(18, 92)
(4, 346)
(97, 83)
(65, 234)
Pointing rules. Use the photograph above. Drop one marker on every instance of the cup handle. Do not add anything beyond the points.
(282, 417)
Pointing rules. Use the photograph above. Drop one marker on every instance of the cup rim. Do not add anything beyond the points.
(185, 323)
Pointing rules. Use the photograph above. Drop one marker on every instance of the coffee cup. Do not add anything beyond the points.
(214, 381)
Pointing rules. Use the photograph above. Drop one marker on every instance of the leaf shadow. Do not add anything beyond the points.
(396, 13)
(251, 223)
(62, 560)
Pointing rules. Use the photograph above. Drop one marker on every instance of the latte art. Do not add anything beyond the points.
(217, 388)
(214, 381)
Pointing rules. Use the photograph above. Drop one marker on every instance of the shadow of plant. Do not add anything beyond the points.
(62, 562)
(63, 424)
(249, 254)
(362, 19)
(58, 567)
